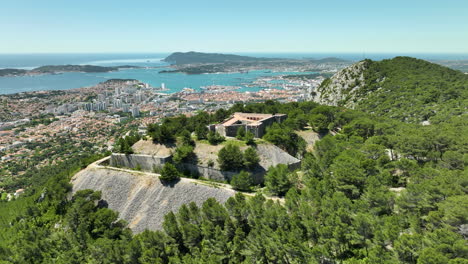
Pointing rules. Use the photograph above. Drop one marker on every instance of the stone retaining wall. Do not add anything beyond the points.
(207, 172)
(145, 162)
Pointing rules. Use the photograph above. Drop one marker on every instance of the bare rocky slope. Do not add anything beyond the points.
(140, 198)
(341, 88)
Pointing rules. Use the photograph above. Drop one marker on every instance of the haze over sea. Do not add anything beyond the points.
(174, 81)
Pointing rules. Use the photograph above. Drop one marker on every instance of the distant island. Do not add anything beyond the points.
(54, 69)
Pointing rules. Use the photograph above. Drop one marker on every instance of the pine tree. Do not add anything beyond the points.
(169, 173)
(249, 138)
(201, 131)
(251, 158)
(240, 133)
(230, 158)
(276, 180)
(242, 181)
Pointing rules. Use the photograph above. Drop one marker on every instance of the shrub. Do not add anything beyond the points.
(215, 138)
(138, 167)
(156, 169)
(124, 144)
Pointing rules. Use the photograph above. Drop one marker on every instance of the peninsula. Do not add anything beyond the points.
(200, 63)
(55, 69)
(193, 57)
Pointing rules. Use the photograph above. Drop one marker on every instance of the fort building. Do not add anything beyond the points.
(255, 123)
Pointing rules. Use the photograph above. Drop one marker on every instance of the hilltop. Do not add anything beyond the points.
(403, 88)
(193, 57)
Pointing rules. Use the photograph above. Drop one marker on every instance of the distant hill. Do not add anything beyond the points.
(199, 57)
(328, 60)
(404, 88)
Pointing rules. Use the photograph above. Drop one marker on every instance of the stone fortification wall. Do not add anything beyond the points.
(230, 131)
(207, 172)
(219, 175)
(145, 162)
(270, 155)
(149, 163)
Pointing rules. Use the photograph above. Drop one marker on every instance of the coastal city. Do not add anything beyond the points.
(101, 113)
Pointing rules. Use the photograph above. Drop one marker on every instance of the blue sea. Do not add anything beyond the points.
(173, 81)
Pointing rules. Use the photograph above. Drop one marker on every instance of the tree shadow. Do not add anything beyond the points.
(170, 144)
(169, 184)
(258, 174)
(322, 134)
(102, 204)
(251, 144)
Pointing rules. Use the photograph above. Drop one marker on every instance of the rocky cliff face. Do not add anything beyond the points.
(140, 198)
(343, 87)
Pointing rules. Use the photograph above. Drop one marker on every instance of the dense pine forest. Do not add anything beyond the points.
(374, 189)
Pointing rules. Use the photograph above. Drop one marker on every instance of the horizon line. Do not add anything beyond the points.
(233, 52)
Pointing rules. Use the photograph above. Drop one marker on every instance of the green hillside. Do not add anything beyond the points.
(403, 88)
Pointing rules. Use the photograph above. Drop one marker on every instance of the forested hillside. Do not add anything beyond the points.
(374, 190)
(402, 88)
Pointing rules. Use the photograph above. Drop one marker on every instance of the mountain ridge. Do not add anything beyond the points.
(193, 57)
(404, 88)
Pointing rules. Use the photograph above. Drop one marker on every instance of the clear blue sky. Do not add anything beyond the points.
(30, 26)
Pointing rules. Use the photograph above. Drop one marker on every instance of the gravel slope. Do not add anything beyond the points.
(140, 198)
